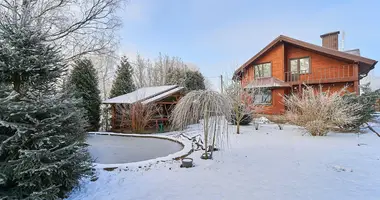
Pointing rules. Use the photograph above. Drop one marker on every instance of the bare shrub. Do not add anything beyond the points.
(212, 108)
(243, 103)
(141, 115)
(320, 111)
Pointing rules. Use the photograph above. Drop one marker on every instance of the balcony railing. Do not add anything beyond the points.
(322, 75)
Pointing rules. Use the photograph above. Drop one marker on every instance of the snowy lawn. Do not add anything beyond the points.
(264, 164)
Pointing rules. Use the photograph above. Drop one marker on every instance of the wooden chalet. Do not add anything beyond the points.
(286, 64)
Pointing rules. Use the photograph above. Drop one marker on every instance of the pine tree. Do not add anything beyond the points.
(84, 82)
(123, 83)
(42, 149)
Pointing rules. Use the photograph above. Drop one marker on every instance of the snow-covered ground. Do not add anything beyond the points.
(258, 164)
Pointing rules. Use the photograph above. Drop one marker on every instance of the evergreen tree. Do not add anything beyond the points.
(367, 100)
(194, 81)
(190, 80)
(42, 149)
(84, 82)
(123, 83)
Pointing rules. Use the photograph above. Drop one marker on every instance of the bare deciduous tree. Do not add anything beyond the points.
(105, 65)
(148, 73)
(78, 27)
(243, 102)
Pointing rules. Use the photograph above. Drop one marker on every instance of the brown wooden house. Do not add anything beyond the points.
(286, 64)
(163, 97)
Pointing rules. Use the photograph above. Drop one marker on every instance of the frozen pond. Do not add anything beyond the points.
(107, 149)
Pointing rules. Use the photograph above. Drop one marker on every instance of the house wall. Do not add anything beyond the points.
(275, 56)
(277, 106)
(336, 87)
(321, 67)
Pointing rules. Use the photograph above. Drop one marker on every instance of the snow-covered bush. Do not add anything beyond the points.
(212, 108)
(320, 111)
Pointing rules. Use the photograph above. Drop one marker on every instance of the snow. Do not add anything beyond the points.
(162, 96)
(258, 164)
(140, 94)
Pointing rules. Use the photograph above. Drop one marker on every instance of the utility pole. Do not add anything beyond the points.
(221, 83)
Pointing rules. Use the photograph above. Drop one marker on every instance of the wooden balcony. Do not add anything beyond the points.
(332, 74)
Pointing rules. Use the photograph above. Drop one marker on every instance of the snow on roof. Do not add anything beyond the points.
(141, 94)
(162, 96)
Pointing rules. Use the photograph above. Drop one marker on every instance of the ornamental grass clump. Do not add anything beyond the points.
(319, 112)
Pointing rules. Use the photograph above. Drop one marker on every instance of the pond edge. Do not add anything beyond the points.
(186, 150)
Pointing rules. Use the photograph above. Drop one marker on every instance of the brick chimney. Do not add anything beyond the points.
(330, 40)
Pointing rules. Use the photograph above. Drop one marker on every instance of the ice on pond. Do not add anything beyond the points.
(107, 149)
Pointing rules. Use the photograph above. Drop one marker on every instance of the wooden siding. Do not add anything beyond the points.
(277, 106)
(317, 61)
(279, 57)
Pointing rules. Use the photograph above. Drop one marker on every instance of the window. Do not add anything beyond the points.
(264, 97)
(300, 65)
(263, 70)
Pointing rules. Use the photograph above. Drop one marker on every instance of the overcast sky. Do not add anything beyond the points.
(219, 35)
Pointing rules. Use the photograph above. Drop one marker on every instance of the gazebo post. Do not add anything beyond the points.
(131, 110)
(113, 117)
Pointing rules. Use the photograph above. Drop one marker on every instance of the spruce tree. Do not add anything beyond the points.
(84, 82)
(123, 82)
(42, 149)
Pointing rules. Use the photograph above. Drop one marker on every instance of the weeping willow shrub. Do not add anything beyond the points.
(212, 109)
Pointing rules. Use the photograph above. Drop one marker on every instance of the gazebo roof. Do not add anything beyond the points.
(145, 95)
(268, 82)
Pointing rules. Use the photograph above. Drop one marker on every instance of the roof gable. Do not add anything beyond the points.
(369, 63)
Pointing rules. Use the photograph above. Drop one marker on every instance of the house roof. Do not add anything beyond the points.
(366, 64)
(267, 82)
(145, 95)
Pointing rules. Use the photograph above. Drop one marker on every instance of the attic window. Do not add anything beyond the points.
(263, 70)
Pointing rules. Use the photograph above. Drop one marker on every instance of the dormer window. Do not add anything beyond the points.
(263, 70)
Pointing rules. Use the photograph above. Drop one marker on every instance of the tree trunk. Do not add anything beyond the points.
(16, 83)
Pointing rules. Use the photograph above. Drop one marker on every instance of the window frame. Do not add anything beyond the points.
(265, 103)
(262, 64)
(299, 65)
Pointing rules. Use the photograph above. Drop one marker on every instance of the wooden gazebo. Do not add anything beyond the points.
(130, 109)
